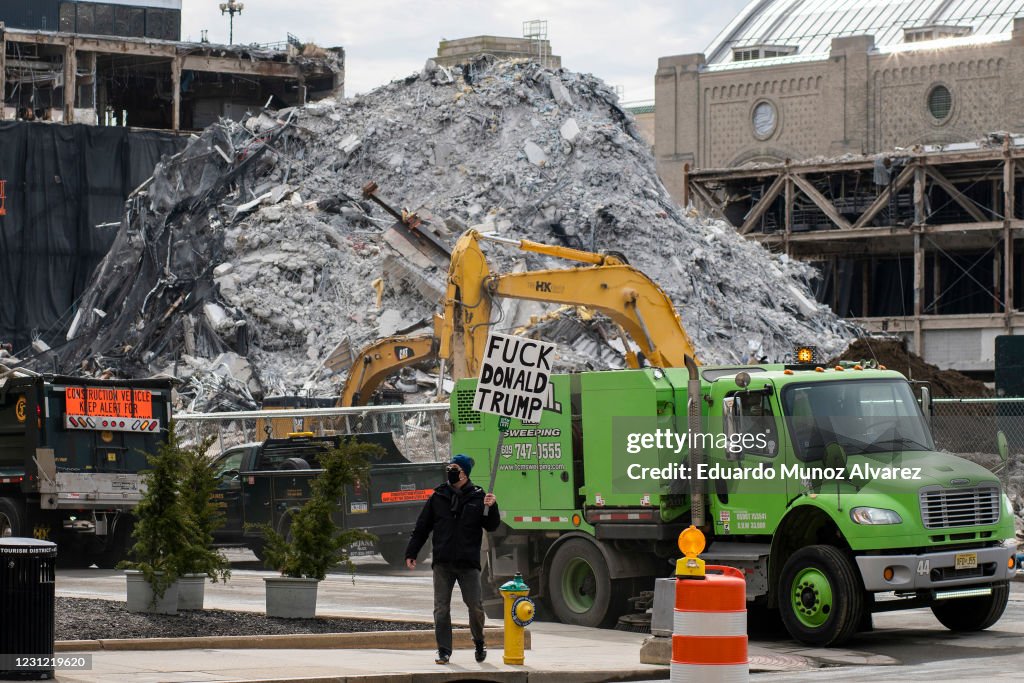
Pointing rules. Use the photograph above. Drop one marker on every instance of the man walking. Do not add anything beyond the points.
(457, 512)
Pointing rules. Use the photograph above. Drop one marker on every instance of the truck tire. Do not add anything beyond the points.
(973, 614)
(258, 548)
(821, 598)
(12, 518)
(117, 544)
(393, 551)
(580, 588)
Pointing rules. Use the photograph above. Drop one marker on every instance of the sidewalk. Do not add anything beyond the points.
(560, 653)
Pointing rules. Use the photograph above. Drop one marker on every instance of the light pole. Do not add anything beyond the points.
(231, 8)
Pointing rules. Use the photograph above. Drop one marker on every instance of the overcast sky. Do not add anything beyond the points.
(619, 42)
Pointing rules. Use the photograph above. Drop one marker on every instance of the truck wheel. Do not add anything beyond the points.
(117, 544)
(12, 518)
(821, 599)
(973, 614)
(258, 548)
(393, 552)
(579, 585)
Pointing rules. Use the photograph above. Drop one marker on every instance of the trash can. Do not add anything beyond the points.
(26, 608)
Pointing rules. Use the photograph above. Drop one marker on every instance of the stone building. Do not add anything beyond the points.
(794, 79)
(868, 138)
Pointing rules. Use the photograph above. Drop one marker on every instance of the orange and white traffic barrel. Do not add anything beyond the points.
(709, 629)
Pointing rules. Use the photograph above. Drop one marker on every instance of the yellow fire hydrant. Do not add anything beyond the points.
(519, 611)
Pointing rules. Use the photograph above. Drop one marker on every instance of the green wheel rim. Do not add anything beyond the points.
(579, 585)
(811, 596)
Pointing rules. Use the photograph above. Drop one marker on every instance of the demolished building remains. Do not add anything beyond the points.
(251, 258)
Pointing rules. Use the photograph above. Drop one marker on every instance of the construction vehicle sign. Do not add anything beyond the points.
(514, 377)
(105, 402)
(405, 496)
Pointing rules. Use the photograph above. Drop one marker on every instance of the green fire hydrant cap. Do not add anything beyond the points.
(516, 584)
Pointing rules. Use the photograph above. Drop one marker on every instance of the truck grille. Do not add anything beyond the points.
(946, 508)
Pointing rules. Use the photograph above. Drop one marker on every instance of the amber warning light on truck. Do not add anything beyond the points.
(118, 410)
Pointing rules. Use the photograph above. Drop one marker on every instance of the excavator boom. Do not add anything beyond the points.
(380, 359)
(632, 300)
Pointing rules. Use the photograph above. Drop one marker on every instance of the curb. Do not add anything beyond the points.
(365, 640)
(485, 676)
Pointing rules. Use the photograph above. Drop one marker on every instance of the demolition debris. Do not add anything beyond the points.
(250, 265)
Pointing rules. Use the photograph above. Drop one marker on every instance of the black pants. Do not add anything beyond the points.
(445, 576)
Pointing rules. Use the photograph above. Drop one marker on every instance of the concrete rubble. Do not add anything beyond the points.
(254, 242)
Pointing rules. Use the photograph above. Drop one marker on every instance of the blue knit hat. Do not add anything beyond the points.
(463, 461)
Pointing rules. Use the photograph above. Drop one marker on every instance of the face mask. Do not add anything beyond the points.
(453, 476)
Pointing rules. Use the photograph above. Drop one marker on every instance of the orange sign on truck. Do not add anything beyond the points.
(405, 496)
(105, 402)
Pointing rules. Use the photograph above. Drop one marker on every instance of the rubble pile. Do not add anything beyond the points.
(254, 242)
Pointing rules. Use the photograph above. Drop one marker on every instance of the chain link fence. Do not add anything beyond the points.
(421, 431)
(971, 425)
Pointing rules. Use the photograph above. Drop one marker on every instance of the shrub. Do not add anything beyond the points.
(198, 484)
(314, 544)
(164, 529)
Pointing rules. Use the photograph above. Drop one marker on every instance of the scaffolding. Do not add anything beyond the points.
(536, 31)
(912, 241)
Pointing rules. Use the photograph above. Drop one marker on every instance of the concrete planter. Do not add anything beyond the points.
(140, 596)
(290, 598)
(191, 591)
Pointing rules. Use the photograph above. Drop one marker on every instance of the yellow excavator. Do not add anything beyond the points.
(641, 309)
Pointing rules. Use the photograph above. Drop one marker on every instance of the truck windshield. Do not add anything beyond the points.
(863, 416)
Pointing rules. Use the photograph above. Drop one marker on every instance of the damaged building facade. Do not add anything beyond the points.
(121, 63)
(118, 68)
(533, 45)
(866, 149)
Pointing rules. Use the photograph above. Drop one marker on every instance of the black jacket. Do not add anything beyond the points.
(457, 519)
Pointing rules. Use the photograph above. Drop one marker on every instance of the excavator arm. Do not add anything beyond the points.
(380, 359)
(623, 293)
(640, 308)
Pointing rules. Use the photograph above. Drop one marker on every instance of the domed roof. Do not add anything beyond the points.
(807, 27)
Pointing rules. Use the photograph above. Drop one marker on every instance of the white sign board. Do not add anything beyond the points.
(514, 377)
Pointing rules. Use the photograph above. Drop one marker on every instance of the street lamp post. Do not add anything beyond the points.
(231, 8)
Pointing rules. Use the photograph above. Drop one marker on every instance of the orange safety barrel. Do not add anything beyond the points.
(709, 630)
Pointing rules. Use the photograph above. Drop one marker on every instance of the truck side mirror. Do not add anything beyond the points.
(926, 404)
(835, 456)
(1003, 445)
(732, 415)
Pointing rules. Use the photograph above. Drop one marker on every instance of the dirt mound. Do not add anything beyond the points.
(894, 355)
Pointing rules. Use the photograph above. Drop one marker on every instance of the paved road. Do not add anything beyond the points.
(908, 645)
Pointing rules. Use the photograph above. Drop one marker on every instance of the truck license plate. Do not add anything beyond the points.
(966, 561)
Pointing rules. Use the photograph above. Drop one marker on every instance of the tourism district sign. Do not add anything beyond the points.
(514, 377)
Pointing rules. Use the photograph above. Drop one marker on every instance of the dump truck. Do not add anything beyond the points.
(267, 482)
(71, 453)
(822, 484)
